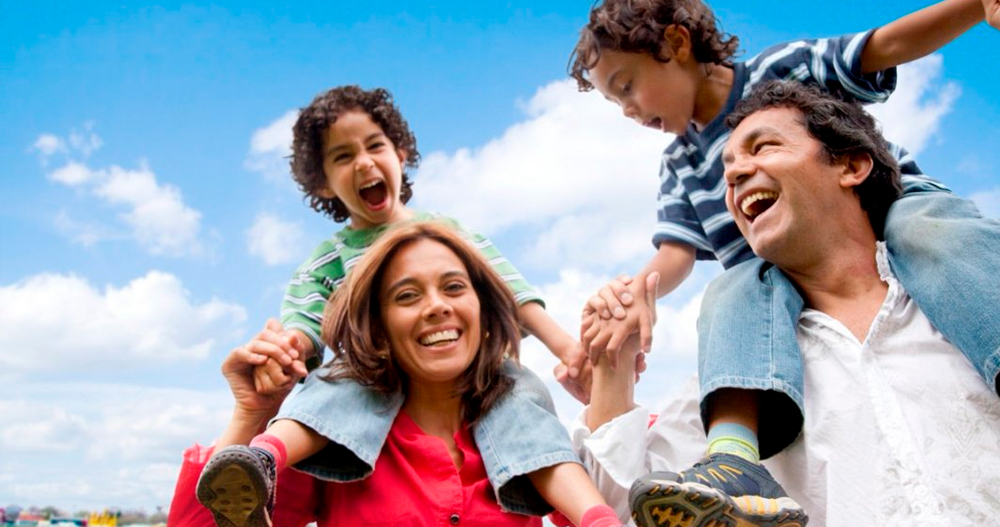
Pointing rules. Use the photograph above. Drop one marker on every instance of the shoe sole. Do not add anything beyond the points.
(665, 503)
(234, 490)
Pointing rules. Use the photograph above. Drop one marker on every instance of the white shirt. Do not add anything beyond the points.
(899, 429)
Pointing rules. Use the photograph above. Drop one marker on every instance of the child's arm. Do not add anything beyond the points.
(617, 317)
(922, 32)
(992, 8)
(567, 349)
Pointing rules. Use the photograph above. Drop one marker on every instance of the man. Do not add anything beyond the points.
(899, 427)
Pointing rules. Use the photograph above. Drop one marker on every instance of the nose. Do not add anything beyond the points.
(363, 164)
(738, 170)
(437, 305)
(630, 110)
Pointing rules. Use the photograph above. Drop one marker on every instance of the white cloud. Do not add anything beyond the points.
(63, 319)
(155, 212)
(913, 114)
(276, 241)
(85, 142)
(79, 143)
(48, 145)
(574, 173)
(988, 202)
(270, 147)
(72, 174)
(91, 446)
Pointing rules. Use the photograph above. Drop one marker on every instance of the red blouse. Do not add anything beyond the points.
(414, 482)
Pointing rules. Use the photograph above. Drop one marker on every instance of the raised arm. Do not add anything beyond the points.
(921, 33)
(613, 389)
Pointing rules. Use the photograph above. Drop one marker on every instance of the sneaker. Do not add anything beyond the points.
(237, 485)
(720, 490)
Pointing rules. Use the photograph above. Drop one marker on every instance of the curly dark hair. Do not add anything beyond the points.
(353, 327)
(312, 125)
(638, 26)
(843, 128)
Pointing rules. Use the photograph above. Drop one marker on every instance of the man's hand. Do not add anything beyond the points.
(606, 336)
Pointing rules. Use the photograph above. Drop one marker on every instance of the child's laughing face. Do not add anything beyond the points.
(364, 169)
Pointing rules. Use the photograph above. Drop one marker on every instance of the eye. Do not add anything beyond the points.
(627, 88)
(455, 286)
(757, 147)
(405, 296)
(340, 158)
(377, 145)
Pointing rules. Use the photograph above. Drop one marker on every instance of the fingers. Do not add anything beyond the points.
(647, 316)
(575, 360)
(597, 304)
(616, 296)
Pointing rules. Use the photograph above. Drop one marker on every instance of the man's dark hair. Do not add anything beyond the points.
(638, 26)
(843, 128)
(316, 119)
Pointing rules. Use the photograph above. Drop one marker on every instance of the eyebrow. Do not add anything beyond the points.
(402, 282)
(342, 146)
(753, 135)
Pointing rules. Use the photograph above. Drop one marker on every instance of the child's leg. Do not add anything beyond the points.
(289, 442)
(353, 421)
(749, 363)
(947, 256)
(521, 435)
(750, 369)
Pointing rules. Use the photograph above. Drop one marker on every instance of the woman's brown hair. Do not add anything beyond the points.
(353, 327)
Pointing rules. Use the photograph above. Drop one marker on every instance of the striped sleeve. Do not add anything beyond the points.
(676, 217)
(523, 291)
(832, 63)
(308, 290)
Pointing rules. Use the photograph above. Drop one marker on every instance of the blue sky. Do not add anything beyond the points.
(148, 223)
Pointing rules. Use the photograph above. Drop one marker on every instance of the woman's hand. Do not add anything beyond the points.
(252, 409)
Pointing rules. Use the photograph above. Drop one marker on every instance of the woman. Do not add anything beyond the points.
(425, 323)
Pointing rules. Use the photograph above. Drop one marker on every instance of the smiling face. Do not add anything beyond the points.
(430, 312)
(658, 95)
(784, 192)
(364, 170)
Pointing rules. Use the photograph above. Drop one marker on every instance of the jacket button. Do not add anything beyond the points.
(455, 518)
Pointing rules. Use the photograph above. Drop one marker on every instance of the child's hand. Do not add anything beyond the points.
(270, 378)
(574, 373)
(992, 10)
(285, 354)
(611, 300)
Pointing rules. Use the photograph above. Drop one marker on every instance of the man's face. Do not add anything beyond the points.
(783, 190)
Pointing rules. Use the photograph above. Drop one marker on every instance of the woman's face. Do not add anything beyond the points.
(431, 312)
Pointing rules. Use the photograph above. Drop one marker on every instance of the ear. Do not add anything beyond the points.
(677, 42)
(403, 155)
(856, 167)
(326, 192)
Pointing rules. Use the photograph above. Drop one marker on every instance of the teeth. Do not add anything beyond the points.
(370, 185)
(440, 336)
(754, 198)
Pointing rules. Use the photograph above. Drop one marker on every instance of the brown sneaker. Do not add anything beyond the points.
(237, 485)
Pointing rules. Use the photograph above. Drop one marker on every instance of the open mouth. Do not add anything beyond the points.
(374, 193)
(440, 338)
(655, 123)
(755, 204)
